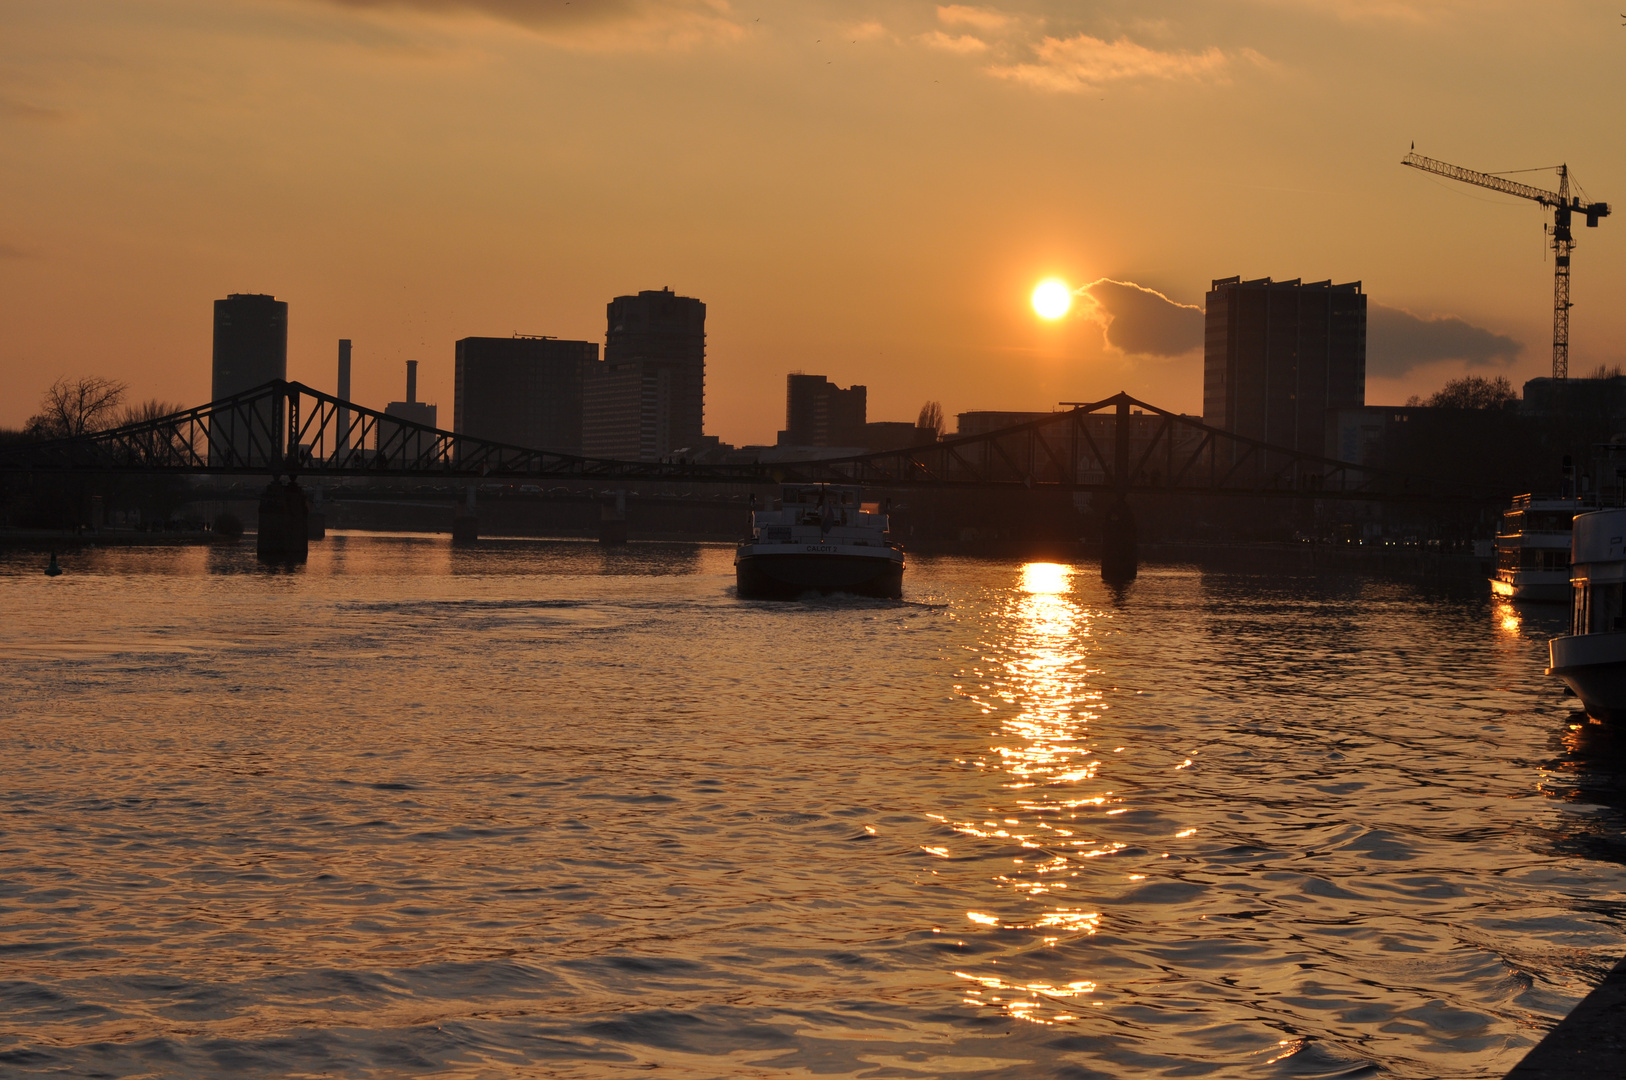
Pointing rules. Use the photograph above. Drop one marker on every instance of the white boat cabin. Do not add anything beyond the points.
(1598, 573)
(821, 513)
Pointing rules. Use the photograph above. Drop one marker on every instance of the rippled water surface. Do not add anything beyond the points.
(539, 809)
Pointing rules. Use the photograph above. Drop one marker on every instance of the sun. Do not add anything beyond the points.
(1052, 298)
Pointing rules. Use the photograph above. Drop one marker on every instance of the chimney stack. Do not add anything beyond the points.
(412, 382)
(344, 369)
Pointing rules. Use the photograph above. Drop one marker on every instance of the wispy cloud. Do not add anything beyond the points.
(1018, 48)
(1415, 12)
(14, 108)
(1083, 62)
(987, 20)
(12, 251)
(961, 43)
(600, 25)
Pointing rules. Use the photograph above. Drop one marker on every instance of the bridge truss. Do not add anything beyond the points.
(1118, 444)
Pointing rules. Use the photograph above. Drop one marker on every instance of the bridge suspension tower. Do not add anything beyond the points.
(1564, 205)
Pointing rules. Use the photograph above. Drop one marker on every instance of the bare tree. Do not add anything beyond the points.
(930, 422)
(73, 407)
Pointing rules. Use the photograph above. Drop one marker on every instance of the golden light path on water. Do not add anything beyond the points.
(1041, 693)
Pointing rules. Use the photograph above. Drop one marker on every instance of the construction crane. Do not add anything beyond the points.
(1564, 205)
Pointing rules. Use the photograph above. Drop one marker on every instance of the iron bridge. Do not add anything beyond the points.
(1118, 444)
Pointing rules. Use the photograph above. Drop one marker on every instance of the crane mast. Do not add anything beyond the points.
(1564, 206)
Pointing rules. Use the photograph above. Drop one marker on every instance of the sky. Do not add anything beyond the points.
(868, 191)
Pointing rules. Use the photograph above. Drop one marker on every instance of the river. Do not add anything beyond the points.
(542, 809)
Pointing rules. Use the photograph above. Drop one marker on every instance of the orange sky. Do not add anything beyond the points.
(863, 190)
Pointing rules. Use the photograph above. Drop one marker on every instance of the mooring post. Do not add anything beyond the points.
(1120, 554)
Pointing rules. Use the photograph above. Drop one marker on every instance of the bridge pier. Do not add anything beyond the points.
(612, 521)
(1120, 546)
(316, 518)
(465, 522)
(284, 535)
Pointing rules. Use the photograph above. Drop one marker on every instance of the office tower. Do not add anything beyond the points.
(344, 394)
(647, 400)
(250, 350)
(524, 391)
(390, 435)
(1278, 354)
(820, 413)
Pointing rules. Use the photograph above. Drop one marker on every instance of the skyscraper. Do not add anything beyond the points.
(647, 400)
(250, 350)
(525, 391)
(1278, 354)
(820, 413)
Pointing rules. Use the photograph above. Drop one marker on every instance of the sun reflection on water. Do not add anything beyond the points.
(1034, 680)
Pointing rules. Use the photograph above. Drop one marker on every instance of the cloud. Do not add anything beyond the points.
(591, 24)
(985, 19)
(1083, 62)
(12, 251)
(1142, 321)
(16, 109)
(1415, 12)
(964, 43)
(1398, 341)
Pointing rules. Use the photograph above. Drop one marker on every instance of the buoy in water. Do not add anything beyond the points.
(51, 568)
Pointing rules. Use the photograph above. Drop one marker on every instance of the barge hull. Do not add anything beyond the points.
(789, 575)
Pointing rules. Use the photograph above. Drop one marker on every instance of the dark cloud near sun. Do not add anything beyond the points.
(1142, 321)
(1398, 341)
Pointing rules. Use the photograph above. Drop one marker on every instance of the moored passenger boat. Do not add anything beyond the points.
(819, 538)
(1591, 658)
(1533, 548)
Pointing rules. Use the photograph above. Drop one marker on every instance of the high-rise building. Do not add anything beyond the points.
(1278, 354)
(820, 413)
(522, 390)
(250, 350)
(647, 400)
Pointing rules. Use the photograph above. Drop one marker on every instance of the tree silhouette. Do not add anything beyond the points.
(73, 407)
(1475, 392)
(930, 423)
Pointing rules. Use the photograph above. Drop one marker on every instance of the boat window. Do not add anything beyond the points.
(1543, 559)
(1606, 608)
(1550, 521)
(1578, 608)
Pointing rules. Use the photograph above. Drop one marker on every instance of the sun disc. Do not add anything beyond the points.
(1052, 298)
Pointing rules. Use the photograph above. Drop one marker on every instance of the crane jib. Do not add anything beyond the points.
(1564, 206)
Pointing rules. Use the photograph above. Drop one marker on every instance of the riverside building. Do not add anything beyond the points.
(647, 400)
(1277, 355)
(523, 390)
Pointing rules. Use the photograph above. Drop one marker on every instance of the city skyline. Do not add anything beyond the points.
(878, 212)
